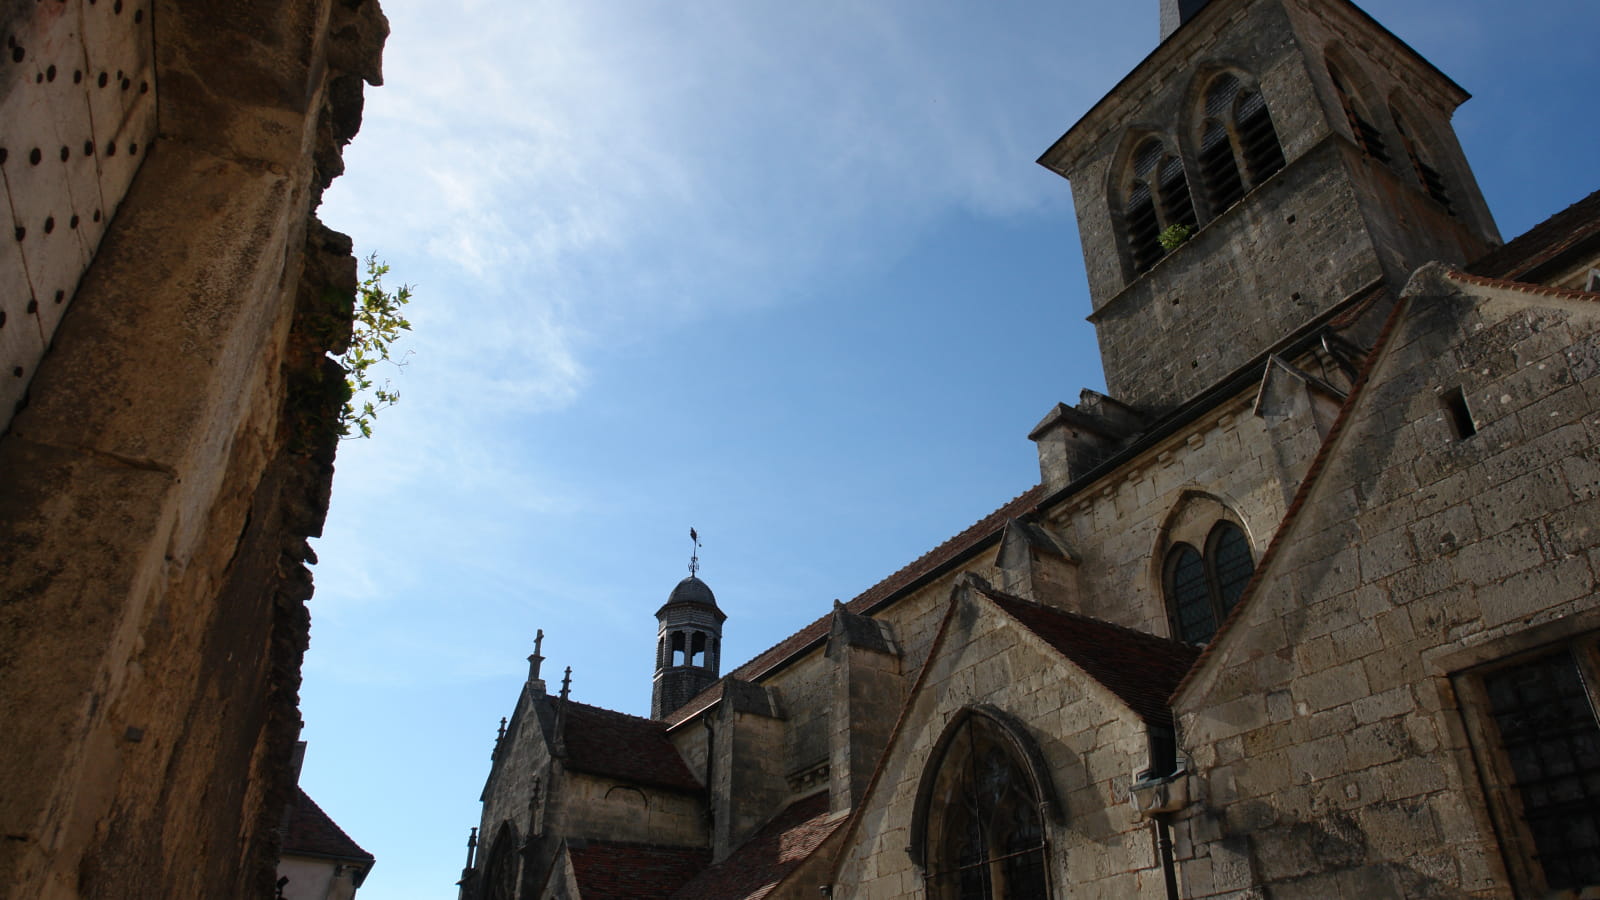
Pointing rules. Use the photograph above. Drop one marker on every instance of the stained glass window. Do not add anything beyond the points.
(1202, 589)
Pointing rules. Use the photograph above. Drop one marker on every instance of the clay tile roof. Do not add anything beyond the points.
(311, 833)
(1141, 669)
(1576, 225)
(1521, 287)
(602, 742)
(930, 563)
(612, 870)
(753, 870)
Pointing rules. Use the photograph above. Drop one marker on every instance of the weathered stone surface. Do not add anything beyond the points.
(175, 451)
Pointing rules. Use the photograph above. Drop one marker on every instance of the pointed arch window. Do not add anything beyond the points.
(1427, 176)
(1157, 192)
(979, 829)
(500, 869)
(1367, 135)
(1239, 146)
(1203, 587)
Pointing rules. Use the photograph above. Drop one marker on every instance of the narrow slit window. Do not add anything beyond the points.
(1455, 405)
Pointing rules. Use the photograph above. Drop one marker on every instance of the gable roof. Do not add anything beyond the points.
(1497, 269)
(603, 742)
(927, 566)
(1573, 229)
(1141, 669)
(310, 832)
(771, 854)
(614, 870)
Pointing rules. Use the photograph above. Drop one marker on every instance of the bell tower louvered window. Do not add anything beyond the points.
(1367, 135)
(1427, 176)
(1158, 197)
(1239, 146)
(1263, 154)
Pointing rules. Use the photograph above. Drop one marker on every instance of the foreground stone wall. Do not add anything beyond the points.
(174, 451)
(1330, 723)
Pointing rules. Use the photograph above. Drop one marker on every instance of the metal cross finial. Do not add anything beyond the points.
(566, 683)
(694, 557)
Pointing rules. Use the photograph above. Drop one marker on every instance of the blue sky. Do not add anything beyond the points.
(783, 272)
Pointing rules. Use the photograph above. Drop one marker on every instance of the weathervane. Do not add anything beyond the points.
(694, 557)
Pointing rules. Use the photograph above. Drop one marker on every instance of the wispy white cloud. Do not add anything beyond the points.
(658, 163)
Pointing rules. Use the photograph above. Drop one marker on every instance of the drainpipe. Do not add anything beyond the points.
(1164, 842)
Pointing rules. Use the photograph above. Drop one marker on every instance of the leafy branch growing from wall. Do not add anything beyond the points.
(377, 324)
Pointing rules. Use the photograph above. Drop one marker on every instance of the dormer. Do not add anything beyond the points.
(1268, 161)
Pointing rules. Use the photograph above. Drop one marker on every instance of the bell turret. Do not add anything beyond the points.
(689, 641)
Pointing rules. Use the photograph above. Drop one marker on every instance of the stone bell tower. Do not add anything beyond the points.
(1271, 163)
(688, 642)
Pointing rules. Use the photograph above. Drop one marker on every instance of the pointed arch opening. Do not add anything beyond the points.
(1367, 135)
(1239, 147)
(500, 867)
(1204, 562)
(1156, 188)
(979, 831)
(1430, 179)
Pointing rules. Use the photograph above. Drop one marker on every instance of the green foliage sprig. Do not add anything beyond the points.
(377, 324)
(1174, 236)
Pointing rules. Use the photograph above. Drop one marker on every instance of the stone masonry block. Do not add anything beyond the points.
(1525, 594)
(1332, 687)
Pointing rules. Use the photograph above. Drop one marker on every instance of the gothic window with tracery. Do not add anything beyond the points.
(1203, 587)
(984, 828)
(1157, 192)
(1239, 146)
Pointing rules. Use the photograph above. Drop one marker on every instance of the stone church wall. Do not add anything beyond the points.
(1092, 745)
(175, 445)
(1259, 270)
(602, 807)
(1117, 526)
(521, 763)
(1330, 729)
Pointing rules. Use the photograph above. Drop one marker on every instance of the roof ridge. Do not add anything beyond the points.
(885, 589)
(315, 816)
(1544, 241)
(995, 593)
(581, 843)
(1524, 287)
(607, 710)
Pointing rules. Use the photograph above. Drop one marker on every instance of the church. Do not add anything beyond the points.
(1305, 605)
